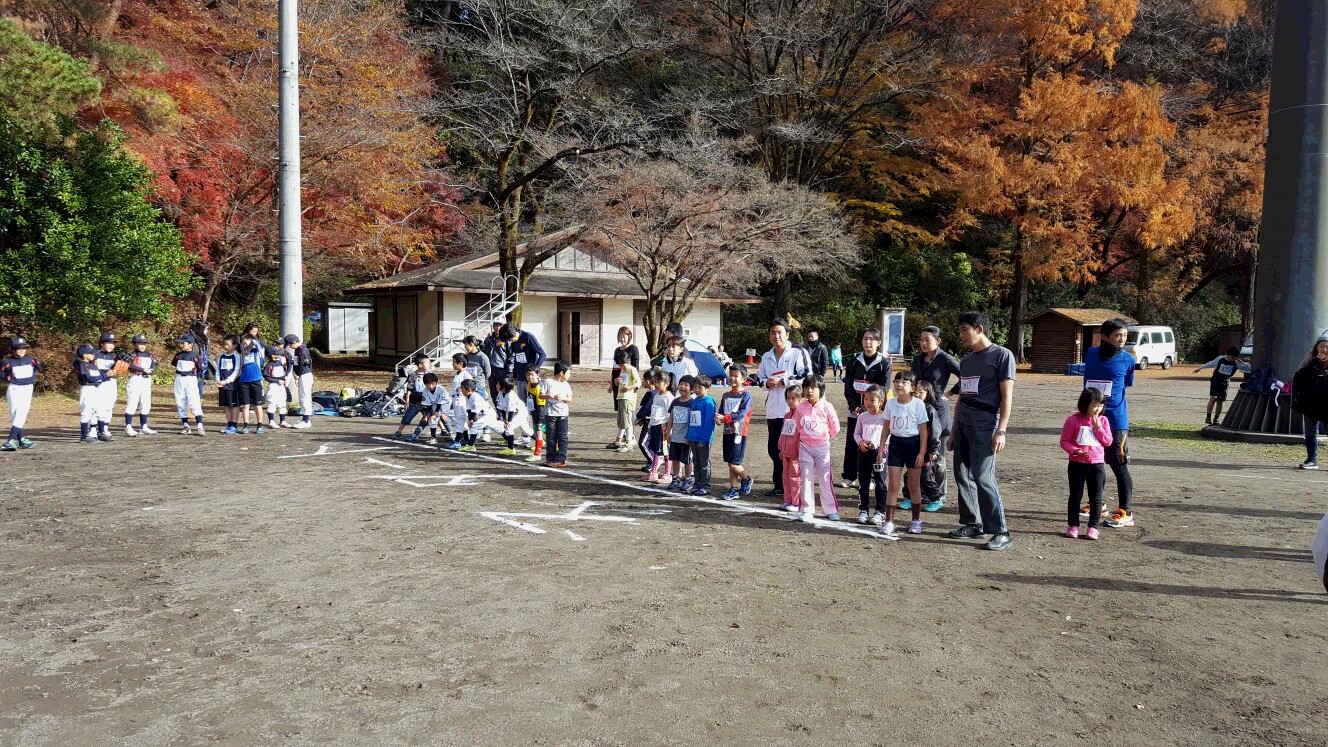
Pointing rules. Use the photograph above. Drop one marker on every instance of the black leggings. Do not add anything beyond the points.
(867, 477)
(1094, 476)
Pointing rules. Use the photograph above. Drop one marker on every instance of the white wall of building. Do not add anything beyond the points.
(539, 317)
(617, 313)
(704, 323)
(454, 311)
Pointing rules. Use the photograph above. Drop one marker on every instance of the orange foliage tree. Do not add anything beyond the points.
(1065, 160)
(199, 106)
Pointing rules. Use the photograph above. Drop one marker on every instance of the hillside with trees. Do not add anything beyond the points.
(832, 155)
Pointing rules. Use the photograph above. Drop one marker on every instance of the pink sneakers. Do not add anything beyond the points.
(1091, 533)
(1072, 532)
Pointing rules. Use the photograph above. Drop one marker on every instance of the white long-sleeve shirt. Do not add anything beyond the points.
(793, 366)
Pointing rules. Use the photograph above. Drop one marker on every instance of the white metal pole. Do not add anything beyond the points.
(288, 198)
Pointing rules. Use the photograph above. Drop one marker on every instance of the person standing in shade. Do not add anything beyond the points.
(1110, 370)
(496, 350)
(1309, 397)
(986, 393)
(934, 365)
(523, 352)
(818, 352)
(837, 361)
(867, 369)
(781, 366)
(633, 356)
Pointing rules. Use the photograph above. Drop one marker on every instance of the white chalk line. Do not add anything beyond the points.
(325, 450)
(733, 506)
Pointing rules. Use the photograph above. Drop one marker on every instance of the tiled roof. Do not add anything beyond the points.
(1086, 317)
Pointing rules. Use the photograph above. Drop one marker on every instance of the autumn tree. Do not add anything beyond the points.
(819, 86)
(526, 95)
(697, 222)
(79, 241)
(1063, 159)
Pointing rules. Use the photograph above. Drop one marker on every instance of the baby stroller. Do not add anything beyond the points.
(393, 402)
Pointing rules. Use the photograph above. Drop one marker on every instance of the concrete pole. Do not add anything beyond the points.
(288, 198)
(1291, 288)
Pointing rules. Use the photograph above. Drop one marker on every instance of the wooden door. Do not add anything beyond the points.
(587, 349)
(565, 348)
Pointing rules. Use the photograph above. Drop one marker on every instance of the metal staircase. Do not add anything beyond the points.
(478, 323)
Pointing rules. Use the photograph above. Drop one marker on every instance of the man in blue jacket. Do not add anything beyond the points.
(1109, 369)
(523, 352)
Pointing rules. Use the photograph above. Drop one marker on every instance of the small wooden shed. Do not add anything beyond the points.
(1060, 336)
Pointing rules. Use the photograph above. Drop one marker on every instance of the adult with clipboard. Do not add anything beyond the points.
(523, 353)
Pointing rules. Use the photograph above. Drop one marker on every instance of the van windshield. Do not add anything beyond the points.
(1132, 338)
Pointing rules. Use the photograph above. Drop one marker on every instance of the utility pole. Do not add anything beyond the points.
(288, 198)
(1291, 287)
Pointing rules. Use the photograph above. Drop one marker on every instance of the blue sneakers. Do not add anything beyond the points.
(905, 505)
(932, 507)
(746, 488)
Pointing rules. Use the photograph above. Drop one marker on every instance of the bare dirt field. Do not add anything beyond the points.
(330, 587)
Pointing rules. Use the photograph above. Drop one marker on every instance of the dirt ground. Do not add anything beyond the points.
(329, 587)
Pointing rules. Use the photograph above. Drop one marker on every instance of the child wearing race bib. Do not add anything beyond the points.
(1085, 437)
(557, 394)
(817, 425)
(629, 380)
(907, 432)
(512, 413)
(656, 423)
(680, 456)
(870, 430)
(735, 414)
(1224, 367)
(788, 452)
(700, 434)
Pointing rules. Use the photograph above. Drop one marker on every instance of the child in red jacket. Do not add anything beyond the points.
(1085, 437)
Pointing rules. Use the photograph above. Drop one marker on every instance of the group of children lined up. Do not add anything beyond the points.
(242, 368)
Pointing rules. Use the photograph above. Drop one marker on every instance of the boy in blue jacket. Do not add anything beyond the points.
(700, 433)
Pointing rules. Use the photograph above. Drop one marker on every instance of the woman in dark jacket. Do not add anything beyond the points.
(1309, 397)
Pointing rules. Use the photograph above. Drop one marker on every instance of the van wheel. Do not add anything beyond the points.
(1143, 364)
(1166, 364)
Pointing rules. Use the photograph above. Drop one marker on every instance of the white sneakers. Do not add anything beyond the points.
(302, 425)
(129, 431)
(147, 431)
(186, 431)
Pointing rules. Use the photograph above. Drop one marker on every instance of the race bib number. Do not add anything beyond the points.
(680, 417)
(731, 406)
(860, 385)
(1087, 437)
(812, 425)
(695, 417)
(520, 358)
(184, 367)
(143, 362)
(1101, 386)
(22, 372)
(1226, 369)
(105, 364)
(790, 427)
(777, 375)
(969, 384)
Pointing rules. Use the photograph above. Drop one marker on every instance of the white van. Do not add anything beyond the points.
(1151, 345)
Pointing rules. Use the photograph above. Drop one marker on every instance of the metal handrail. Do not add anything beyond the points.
(500, 304)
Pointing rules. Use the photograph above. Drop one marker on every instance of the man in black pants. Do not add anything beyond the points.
(781, 366)
(867, 368)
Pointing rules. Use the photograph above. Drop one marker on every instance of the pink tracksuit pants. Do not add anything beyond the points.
(816, 466)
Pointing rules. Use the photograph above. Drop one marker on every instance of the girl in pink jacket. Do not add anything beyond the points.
(1085, 438)
(817, 424)
(788, 452)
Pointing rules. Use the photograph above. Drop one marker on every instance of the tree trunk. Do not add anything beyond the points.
(783, 297)
(1017, 293)
(507, 243)
(209, 291)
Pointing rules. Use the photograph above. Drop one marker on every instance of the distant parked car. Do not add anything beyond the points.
(1151, 345)
(1247, 348)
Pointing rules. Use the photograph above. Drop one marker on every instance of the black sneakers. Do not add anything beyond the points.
(967, 531)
